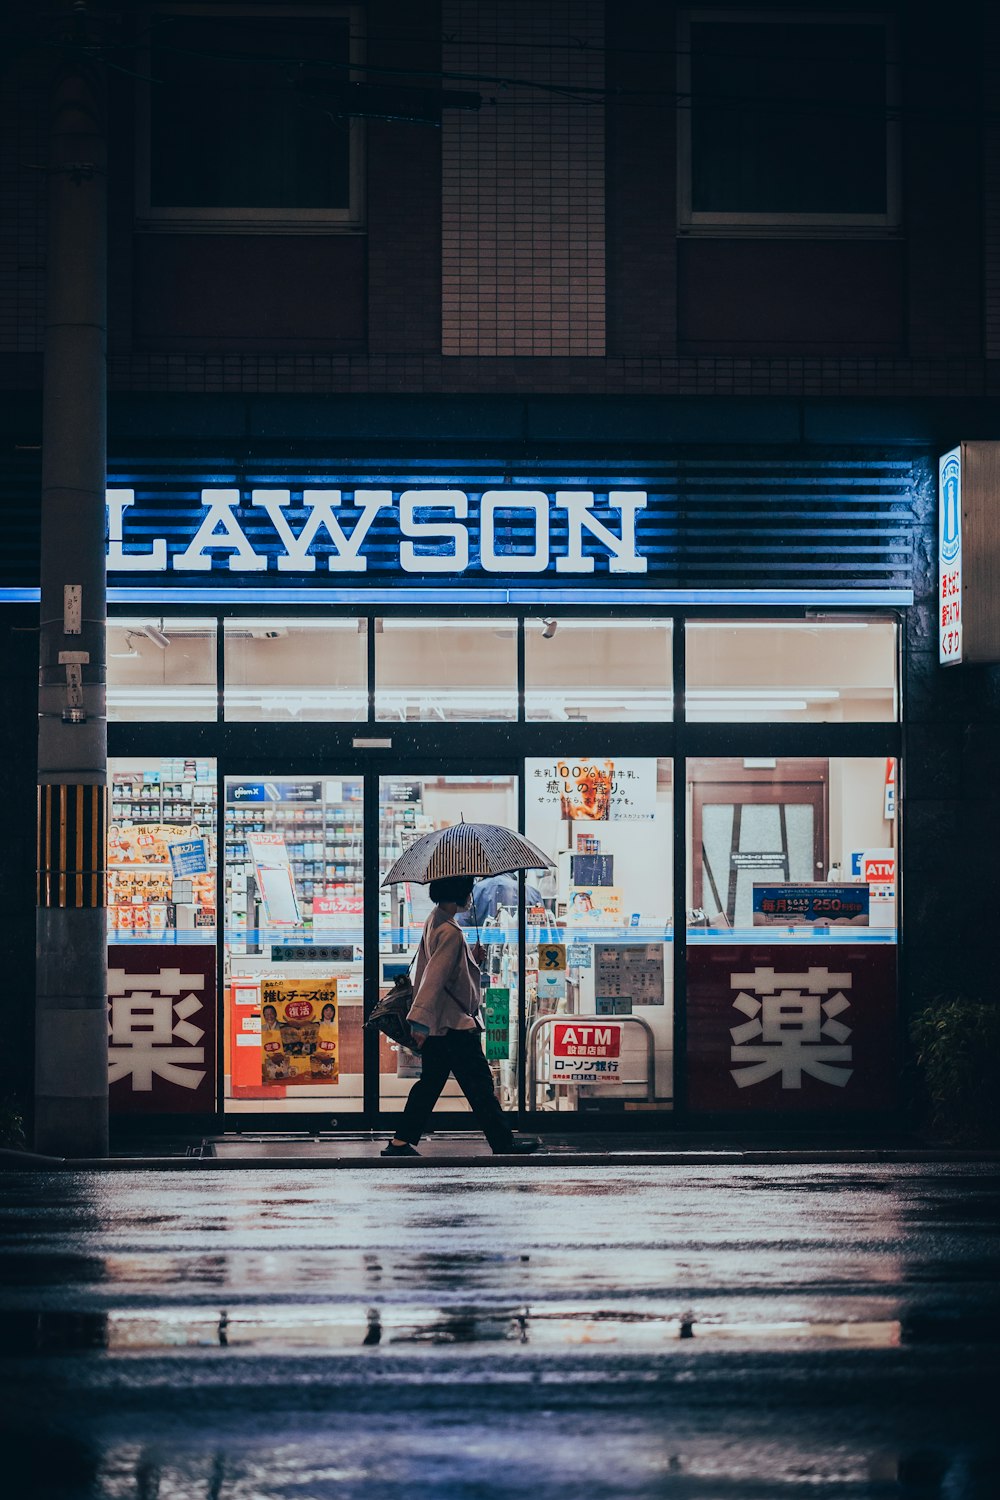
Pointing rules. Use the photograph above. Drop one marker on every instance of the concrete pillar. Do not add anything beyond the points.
(71, 1075)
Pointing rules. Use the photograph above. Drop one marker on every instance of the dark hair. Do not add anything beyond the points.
(453, 888)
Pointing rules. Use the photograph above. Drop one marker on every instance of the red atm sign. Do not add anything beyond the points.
(586, 1052)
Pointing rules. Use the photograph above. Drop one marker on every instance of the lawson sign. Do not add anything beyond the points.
(416, 531)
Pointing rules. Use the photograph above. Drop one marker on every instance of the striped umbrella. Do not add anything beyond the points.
(466, 849)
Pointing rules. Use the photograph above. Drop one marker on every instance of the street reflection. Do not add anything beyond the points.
(331, 1328)
(641, 1459)
(629, 1334)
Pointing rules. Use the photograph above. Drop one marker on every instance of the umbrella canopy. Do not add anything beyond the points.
(466, 849)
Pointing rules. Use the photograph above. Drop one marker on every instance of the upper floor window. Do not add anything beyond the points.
(238, 118)
(786, 121)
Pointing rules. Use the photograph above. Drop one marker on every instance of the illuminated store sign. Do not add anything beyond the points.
(427, 531)
(950, 557)
(969, 554)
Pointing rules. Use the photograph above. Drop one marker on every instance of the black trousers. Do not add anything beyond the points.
(461, 1053)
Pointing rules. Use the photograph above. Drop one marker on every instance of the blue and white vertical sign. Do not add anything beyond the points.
(950, 557)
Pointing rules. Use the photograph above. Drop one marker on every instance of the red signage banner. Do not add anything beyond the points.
(161, 1028)
(792, 1028)
(586, 1052)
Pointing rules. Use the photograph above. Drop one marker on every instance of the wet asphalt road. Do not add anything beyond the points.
(723, 1333)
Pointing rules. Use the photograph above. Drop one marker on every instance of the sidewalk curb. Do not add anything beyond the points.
(27, 1161)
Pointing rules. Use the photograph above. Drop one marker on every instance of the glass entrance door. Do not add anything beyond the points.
(412, 805)
(304, 861)
(599, 965)
(293, 962)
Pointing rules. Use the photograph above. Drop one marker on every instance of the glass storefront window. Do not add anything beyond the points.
(782, 671)
(161, 850)
(599, 670)
(410, 806)
(161, 669)
(162, 930)
(599, 962)
(294, 850)
(445, 669)
(764, 830)
(296, 670)
(791, 960)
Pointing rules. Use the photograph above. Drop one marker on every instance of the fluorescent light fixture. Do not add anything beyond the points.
(455, 594)
(328, 622)
(758, 706)
(783, 624)
(391, 626)
(814, 695)
(190, 695)
(352, 704)
(179, 625)
(598, 623)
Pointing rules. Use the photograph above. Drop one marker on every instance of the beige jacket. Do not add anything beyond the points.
(446, 992)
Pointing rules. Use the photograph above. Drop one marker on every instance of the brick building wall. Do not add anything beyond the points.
(533, 247)
(522, 236)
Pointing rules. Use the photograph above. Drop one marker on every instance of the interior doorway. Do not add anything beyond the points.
(754, 820)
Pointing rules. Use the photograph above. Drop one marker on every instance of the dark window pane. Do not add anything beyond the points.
(228, 127)
(788, 118)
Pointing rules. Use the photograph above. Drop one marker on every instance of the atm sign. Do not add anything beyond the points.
(878, 871)
(579, 1039)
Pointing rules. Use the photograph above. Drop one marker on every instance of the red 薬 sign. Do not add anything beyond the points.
(161, 1025)
(789, 1028)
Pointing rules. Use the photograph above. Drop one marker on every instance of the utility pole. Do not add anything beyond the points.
(71, 1068)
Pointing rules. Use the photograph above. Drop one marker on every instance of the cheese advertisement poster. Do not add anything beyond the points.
(299, 1031)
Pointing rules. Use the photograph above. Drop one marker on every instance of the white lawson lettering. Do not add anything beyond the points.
(433, 536)
(153, 561)
(433, 533)
(321, 505)
(535, 501)
(577, 504)
(231, 538)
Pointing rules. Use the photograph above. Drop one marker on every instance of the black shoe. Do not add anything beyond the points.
(521, 1145)
(405, 1150)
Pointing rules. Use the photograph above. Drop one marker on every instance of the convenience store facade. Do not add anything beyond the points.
(681, 675)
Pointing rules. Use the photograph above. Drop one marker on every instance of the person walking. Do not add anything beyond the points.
(445, 1026)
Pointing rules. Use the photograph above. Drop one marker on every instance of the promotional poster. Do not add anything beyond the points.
(299, 1031)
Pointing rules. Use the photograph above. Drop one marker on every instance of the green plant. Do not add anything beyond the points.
(11, 1124)
(957, 1047)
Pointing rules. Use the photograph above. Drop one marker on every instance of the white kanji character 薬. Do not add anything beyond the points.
(792, 1029)
(150, 1016)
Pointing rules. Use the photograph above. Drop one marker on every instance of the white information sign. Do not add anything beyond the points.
(622, 790)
